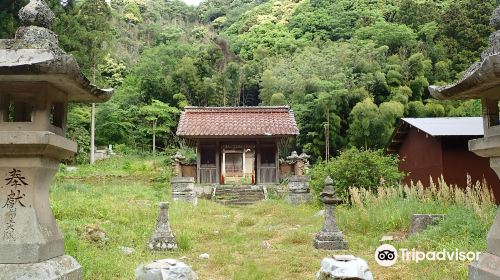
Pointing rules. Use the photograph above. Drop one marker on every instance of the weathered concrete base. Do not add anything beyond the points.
(299, 198)
(355, 269)
(59, 268)
(183, 190)
(330, 241)
(298, 190)
(486, 268)
(166, 269)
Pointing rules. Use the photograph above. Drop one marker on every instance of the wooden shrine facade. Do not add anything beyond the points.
(237, 145)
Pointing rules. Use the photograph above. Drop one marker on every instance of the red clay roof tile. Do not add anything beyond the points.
(196, 122)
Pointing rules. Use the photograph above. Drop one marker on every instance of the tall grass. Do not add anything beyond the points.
(476, 196)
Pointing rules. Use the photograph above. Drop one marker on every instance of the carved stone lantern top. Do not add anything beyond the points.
(328, 196)
(293, 157)
(178, 157)
(34, 57)
(36, 13)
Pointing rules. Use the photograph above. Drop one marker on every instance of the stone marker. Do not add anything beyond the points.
(37, 81)
(344, 267)
(162, 239)
(330, 237)
(298, 190)
(482, 81)
(165, 269)
(386, 238)
(183, 190)
(420, 222)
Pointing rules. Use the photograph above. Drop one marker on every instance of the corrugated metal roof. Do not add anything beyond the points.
(459, 126)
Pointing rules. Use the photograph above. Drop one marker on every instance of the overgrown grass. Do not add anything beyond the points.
(121, 196)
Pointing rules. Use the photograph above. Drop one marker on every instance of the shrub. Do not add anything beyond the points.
(365, 169)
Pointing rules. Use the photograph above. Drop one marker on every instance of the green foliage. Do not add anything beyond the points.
(357, 168)
(372, 125)
(388, 34)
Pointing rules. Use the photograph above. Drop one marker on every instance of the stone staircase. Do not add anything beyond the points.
(238, 195)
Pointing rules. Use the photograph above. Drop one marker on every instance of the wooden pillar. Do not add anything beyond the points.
(257, 152)
(198, 161)
(217, 161)
(277, 161)
(244, 167)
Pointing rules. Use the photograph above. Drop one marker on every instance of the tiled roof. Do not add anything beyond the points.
(198, 122)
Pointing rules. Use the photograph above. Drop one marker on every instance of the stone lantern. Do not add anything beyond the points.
(330, 237)
(37, 81)
(482, 81)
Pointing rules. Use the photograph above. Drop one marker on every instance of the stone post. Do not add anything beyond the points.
(330, 237)
(162, 239)
(183, 190)
(298, 190)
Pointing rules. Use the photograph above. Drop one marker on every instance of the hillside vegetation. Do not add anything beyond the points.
(354, 67)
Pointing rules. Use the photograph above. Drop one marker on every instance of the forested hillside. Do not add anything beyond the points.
(349, 67)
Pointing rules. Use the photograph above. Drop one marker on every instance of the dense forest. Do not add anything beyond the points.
(349, 69)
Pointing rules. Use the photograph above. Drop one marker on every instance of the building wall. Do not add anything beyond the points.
(458, 161)
(421, 157)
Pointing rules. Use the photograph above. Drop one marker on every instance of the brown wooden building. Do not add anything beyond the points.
(429, 147)
(237, 145)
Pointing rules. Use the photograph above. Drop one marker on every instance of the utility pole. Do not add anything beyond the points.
(154, 137)
(92, 125)
(92, 135)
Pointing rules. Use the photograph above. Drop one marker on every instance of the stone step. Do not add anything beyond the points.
(238, 195)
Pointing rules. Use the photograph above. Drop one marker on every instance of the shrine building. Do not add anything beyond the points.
(237, 145)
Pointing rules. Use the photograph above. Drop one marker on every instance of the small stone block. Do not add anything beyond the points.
(386, 238)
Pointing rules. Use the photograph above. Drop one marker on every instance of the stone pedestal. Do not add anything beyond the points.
(162, 239)
(298, 190)
(330, 237)
(59, 268)
(183, 189)
(488, 265)
(29, 233)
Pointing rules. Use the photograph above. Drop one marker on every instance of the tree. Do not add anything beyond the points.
(162, 119)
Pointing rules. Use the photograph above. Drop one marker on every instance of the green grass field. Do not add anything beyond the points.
(121, 196)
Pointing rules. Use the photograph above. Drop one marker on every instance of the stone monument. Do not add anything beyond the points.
(298, 184)
(183, 190)
(482, 81)
(37, 80)
(330, 237)
(162, 239)
(298, 190)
